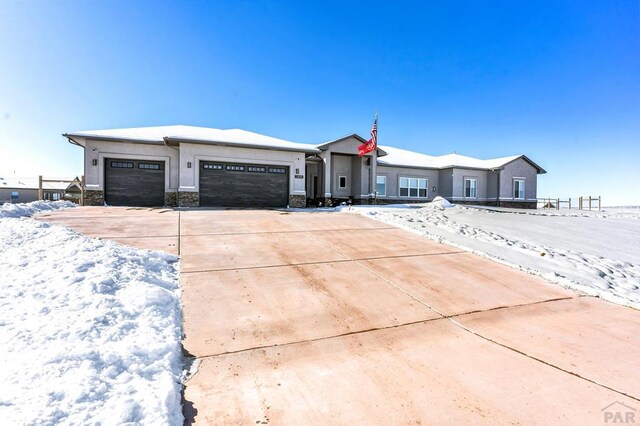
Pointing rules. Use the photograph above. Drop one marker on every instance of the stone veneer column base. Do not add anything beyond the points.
(297, 201)
(171, 199)
(93, 198)
(188, 199)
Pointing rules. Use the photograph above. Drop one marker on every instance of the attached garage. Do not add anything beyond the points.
(134, 182)
(243, 185)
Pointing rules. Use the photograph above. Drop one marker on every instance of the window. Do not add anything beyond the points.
(15, 195)
(255, 169)
(381, 185)
(342, 182)
(413, 187)
(149, 166)
(279, 170)
(233, 168)
(121, 165)
(209, 166)
(518, 189)
(470, 188)
(56, 196)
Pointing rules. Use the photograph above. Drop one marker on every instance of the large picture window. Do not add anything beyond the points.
(518, 189)
(470, 188)
(381, 185)
(413, 187)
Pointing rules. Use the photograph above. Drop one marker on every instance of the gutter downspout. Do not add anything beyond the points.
(179, 166)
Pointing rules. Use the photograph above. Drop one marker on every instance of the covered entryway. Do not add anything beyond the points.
(243, 185)
(133, 182)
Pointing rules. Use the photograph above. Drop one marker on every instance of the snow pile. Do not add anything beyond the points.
(592, 253)
(89, 330)
(438, 203)
(29, 209)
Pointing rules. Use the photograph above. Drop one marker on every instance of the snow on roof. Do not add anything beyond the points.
(31, 183)
(402, 157)
(199, 134)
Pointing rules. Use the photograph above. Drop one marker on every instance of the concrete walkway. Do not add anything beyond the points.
(333, 318)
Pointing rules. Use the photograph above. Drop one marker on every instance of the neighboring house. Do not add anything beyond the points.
(197, 166)
(25, 190)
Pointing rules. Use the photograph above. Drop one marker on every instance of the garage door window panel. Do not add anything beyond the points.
(121, 165)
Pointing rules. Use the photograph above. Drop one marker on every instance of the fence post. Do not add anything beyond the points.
(40, 191)
(82, 190)
(558, 204)
(599, 202)
(569, 203)
(589, 202)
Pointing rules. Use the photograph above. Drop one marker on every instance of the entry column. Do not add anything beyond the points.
(327, 178)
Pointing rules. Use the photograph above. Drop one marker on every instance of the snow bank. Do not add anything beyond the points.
(89, 330)
(594, 253)
(438, 203)
(29, 209)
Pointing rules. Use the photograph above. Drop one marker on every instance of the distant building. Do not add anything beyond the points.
(25, 190)
(198, 166)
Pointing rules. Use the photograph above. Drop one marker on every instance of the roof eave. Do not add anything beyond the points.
(540, 170)
(353, 135)
(113, 139)
(241, 145)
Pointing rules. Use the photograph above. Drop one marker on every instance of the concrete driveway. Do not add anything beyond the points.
(333, 318)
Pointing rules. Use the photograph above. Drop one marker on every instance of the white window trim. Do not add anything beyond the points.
(464, 188)
(513, 188)
(346, 182)
(385, 186)
(409, 187)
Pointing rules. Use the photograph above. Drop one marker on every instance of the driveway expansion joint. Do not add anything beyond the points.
(284, 265)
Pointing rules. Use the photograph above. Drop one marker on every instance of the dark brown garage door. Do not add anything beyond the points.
(133, 183)
(243, 185)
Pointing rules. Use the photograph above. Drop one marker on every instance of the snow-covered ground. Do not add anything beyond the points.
(89, 330)
(597, 253)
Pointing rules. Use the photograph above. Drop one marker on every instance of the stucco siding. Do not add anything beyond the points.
(24, 195)
(99, 150)
(341, 167)
(445, 179)
(518, 169)
(394, 173)
(492, 184)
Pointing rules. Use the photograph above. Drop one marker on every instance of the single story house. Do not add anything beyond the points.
(25, 190)
(196, 166)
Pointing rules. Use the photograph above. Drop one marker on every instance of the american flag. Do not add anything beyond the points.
(372, 143)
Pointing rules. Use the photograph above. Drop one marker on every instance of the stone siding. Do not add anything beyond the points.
(171, 199)
(519, 204)
(297, 201)
(188, 199)
(93, 198)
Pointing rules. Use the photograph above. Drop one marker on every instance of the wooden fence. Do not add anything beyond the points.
(78, 182)
(584, 203)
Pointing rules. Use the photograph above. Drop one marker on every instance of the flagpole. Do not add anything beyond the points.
(374, 166)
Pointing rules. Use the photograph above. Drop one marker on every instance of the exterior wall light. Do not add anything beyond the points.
(94, 162)
(188, 164)
(435, 189)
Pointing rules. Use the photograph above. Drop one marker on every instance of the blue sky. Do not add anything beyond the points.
(557, 81)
